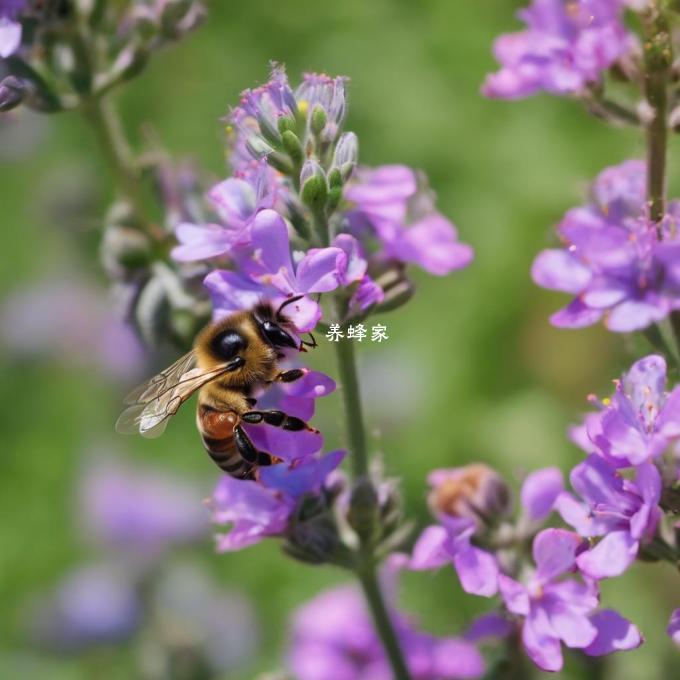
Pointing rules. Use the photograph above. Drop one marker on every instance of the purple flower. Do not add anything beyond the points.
(328, 93)
(94, 604)
(390, 206)
(449, 543)
(334, 639)
(540, 491)
(641, 419)
(674, 626)
(10, 28)
(296, 399)
(277, 275)
(612, 263)
(69, 319)
(623, 512)
(260, 110)
(256, 509)
(558, 611)
(566, 46)
(139, 510)
(237, 201)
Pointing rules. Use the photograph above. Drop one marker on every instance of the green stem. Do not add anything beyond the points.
(106, 124)
(366, 567)
(356, 434)
(383, 623)
(658, 58)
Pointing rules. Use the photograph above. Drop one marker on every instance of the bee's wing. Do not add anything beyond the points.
(166, 379)
(152, 404)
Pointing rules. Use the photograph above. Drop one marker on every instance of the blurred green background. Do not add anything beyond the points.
(472, 370)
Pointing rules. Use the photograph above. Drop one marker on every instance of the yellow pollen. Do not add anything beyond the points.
(606, 401)
(303, 106)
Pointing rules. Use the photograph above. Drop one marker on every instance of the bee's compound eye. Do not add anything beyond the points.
(277, 336)
(229, 344)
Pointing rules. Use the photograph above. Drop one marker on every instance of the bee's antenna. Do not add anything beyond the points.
(311, 344)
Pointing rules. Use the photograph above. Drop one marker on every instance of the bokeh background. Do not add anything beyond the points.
(472, 370)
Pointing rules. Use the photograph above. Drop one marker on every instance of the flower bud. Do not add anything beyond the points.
(346, 154)
(13, 90)
(293, 147)
(286, 123)
(318, 119)
(314, 187)
(152, 312)
(475, 491)
(364, 510)
(313, 536)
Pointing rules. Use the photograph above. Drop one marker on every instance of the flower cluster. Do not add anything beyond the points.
(618, 265)
(298, 218)
(553, 601)
(136, 517)
(565, 48)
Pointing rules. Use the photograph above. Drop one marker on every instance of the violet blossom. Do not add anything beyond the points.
(236, 201)
(641, 419)
(334, 639)
(390, 204)
(258, 119)
(10, 28)
(623, 512)
(555, 610)
(94, 604)
(274, 274)
(296, 399)
(566, 47)
(139, 510)
(613, 262)
(540, 491)
(254, 510)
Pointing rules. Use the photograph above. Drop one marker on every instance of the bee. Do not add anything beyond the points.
(230, 360)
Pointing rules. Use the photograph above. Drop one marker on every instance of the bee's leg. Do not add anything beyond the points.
(288, 376)
(248, 451)
(277, 419)
(245, 447)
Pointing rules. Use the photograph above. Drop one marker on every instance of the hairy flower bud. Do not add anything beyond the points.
(293, 147)
(346, 154)
(13, 90)
(314, 187)
(312, 535)
(318, 119)
(474, 491)
(364, 510)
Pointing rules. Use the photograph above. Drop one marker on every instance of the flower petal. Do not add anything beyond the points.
(320, 270)
(477, 571)
(515, 595)
(554, 552)
(270, 240)
(542, 646)
(560, 270)
(431, 549)
(614, 633)
(610, 557)
(540, 491)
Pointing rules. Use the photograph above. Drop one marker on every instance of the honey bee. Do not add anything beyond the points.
(230, 359)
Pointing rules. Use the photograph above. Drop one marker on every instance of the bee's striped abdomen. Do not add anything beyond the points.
(217, 430)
